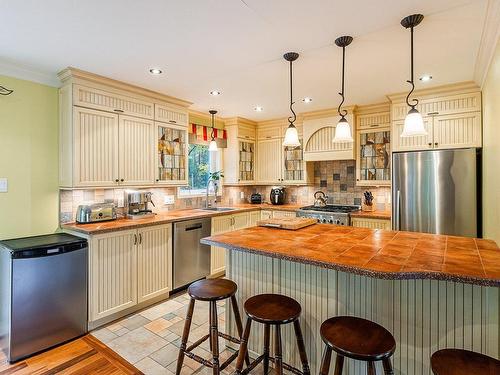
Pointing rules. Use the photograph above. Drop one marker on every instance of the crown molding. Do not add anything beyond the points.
(488, 43)
(327, 112)
(75, 74)
(373, 108)
(454, 88)
(11, 69)
(231, 121)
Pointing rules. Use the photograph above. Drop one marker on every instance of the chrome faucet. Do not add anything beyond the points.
(216, 188)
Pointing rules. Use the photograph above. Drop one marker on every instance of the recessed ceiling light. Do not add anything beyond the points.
(155, 71)
(215, 93)
(307, 99)
(258, 109)
(425, 78)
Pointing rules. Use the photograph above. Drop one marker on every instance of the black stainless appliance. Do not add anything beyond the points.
(437, 191)
(191, 259)
(277, 195)
(43, 293)
(256, 198)
(329, 214)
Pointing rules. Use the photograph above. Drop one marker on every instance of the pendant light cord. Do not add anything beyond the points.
(411, 81)
(342, 112)
(291, 119)
(212, 133)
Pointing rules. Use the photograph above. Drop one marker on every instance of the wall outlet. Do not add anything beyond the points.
(242, 195)
(4, 185)
(169, 199)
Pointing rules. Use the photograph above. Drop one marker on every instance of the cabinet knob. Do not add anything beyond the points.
(117, 180)
(157, 180)
(435, 144)
(121, 180)
(430, 144)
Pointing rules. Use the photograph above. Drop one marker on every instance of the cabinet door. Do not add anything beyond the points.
(246, 159)
(136, 151)
(253, 217)
(171, 154)
(266, 214)
(171, 115)
(457, 131)
(269, 161)
(96, 148)
(280, 214)
(293, 164)
(154, 261)
(113, 273)
(370, 223)
(220, 224)
(411, 143)
(373, 157)
(240, 221)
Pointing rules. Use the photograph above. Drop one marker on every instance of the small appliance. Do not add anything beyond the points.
(277, 195)
(330, 213)
(320, 199)
(95, 213)
(256, 198)
(137, 204)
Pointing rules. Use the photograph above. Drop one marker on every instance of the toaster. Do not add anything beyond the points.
(256, 198)
(95, 212)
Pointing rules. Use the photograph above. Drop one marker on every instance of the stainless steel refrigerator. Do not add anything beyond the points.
(437, 192)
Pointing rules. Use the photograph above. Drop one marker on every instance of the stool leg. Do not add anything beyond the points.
(278, 353)
(325, 362)
(387, 366)
(239, 326)
(371, 368)
(302, 348)
(185, 335)
(243, 347)
(267, 329)
(339, 364)
(214, 337)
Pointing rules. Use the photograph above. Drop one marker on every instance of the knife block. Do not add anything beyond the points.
(365, 207)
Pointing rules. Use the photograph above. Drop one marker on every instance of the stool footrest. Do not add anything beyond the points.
(230, 338)
(288, 367)
(252, 365)
(199, 359)
(197, 343)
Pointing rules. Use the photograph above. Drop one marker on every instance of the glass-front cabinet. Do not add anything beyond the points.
(247, 161)
(171, 160)
(293, 163)
(374, 157)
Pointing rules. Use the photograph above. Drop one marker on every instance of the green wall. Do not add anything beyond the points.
(29, 159)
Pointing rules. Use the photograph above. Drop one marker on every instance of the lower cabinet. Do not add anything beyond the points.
(128, 267)
(280, 214)
(371, 223)
(253, 218)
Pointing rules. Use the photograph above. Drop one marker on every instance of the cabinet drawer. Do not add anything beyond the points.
(107, 101)
(170, 115)
(264, 133)
(246, 132)
(373, 121)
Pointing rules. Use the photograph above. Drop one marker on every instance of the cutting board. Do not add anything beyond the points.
(290, 223)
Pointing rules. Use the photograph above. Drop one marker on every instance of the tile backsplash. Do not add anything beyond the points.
(336, 178)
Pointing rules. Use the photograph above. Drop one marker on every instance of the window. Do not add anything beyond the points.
(200, 163)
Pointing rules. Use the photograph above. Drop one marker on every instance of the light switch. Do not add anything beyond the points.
(168, 199)
(4, 185)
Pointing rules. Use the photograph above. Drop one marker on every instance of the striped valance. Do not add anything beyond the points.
(202, 135)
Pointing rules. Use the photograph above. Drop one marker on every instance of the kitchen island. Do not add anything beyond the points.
(430, 291)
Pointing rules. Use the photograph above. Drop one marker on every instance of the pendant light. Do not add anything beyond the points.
(213, 144)
(291, 135)
(414, 124)
(343, 129)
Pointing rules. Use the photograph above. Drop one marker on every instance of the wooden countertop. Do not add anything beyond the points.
(381, 215)
(168, 217)
(377, 253)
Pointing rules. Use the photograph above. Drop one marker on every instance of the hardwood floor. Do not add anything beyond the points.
(85, 355)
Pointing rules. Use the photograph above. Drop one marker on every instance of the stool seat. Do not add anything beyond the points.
(463, 362)
(272, 309)
(212, 289)
(357, 338)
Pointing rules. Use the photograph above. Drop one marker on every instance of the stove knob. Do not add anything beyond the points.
(338, 222)
(324, 220)
(330, 221)
(318, 220)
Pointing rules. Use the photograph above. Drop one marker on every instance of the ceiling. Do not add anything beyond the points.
(237, 46)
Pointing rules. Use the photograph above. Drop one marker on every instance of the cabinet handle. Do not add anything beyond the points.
(140, 238)
(268, 137)
(135, 239)
(374, 126)
(118, 110)
(432, 113)
(172, 121)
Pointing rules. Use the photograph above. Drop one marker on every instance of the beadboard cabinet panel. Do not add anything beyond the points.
(171, 115)
(457, 131)
(269, 161)
(95, 148)
(136, 163)
(279, 214)
(412, 143)
(154, 261)
(113, 273)
(253, 217)
(220, 224)
(371, 223)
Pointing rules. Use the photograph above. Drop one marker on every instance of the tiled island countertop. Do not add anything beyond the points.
(377, 253)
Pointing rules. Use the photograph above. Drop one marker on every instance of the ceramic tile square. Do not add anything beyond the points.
(137, 344)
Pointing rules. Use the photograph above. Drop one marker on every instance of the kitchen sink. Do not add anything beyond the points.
(218, 209)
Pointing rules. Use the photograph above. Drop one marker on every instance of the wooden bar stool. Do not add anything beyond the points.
(358, 339)
(211, 290)
(463, 362)
(276, 310)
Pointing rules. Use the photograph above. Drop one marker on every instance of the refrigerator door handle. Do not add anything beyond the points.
(397, 218)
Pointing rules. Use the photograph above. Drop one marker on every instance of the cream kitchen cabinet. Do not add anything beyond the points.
(253, 217)
(126, 269)
(240, 154)
(171, 115)
(370, 223)
(223, 224)
(423, 142)
(277, 214)
(269, 161)
(171, 154)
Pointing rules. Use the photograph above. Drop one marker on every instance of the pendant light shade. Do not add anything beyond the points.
(343, 130)
(414, 124)
(213, 144)
(291, 135)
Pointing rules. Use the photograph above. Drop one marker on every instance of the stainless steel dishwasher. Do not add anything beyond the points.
(191, 259)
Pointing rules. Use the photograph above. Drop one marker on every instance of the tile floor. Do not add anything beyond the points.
(150, 339)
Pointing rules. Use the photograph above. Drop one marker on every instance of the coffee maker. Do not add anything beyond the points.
(277, 195)
(137, 204)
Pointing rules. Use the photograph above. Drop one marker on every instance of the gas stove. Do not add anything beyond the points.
(329, 214)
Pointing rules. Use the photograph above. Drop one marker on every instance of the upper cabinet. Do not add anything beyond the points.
(373, 145)
(109, 136)
(319, 131)
(240, 154)
(452, 118)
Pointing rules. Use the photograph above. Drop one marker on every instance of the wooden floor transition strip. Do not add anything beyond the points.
(86, 355)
